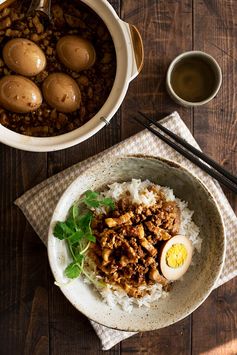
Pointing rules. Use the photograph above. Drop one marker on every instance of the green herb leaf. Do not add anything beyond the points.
(76, 230)
(71, 224)
(108, 202)
(80, 257)
(75, 212)
(75, 237)
(72, 271)
(90, 237)
(91, 200)
(61, 230)
(84, 221)
(91, 195)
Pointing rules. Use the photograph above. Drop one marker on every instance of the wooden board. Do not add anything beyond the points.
(35, 318)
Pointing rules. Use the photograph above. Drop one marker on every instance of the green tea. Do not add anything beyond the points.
(193, 79)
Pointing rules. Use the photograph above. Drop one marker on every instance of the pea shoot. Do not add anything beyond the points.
(77, 232)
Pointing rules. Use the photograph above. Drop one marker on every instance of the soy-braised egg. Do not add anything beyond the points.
(62, 92)
(24, 57)
(19, 94)
(76, 53)
(176, 257)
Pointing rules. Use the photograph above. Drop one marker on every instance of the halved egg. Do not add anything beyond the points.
(176, 257)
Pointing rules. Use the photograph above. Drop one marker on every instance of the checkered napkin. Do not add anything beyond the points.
(38, 203)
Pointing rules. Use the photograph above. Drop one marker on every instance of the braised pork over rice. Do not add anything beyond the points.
(129, 240)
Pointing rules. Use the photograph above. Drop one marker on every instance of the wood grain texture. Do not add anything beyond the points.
(35, 318)
(214, 328)
(166, 29)
(23, 261)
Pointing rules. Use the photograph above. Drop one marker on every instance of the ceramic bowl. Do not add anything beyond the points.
(197, 283)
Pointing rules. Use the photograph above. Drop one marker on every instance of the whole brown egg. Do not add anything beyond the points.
(19, 94)
(62, 92)
(76, 53)
(24, 57)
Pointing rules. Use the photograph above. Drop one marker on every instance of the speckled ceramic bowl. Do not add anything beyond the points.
(185, 295)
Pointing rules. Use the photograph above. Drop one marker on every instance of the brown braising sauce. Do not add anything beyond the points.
(193, 79)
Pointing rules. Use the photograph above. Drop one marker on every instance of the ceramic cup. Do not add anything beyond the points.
(213, 65)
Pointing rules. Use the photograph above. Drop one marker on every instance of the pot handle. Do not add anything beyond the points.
(137, 48)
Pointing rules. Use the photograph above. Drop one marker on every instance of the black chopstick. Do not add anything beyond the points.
(190, 156)
(192, 149)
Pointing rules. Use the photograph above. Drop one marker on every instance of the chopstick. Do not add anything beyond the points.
(192, 149)
(191, 153)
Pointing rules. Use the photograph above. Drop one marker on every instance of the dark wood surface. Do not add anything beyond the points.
(35, 318)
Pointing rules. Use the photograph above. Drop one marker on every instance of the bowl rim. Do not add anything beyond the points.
(171, 163)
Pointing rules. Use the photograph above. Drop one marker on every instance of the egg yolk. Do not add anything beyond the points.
(176, 255)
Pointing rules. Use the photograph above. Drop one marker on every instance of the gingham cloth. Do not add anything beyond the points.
(38, 203)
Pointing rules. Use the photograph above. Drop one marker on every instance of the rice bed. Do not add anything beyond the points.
(140, 195)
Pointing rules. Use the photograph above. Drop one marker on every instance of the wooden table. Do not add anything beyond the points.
(35, 318)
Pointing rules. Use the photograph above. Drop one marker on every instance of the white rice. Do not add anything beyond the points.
(139, 194)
